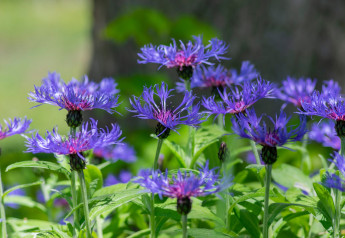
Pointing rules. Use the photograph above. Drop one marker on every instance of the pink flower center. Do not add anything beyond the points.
(181, 60)
(164, 116)
(239, 107)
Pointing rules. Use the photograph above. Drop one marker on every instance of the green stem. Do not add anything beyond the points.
(2, 211)
(74, 192)
(158, 150)
(99, 227)
(152, 217)
(337, 199)
(191, 130)
(85, 201)
(267, 198)
(305, 156)
(184, 226)
(220, 121)
(227, 202)
(257, 158)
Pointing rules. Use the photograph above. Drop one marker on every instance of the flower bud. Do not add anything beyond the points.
(184, 205)
(76, 163)
(269, 154)
(186, 73)
(74, 118)
(159, 131)
(340, 128)
(223, 152)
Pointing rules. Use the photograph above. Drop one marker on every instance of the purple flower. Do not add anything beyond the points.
(17, 192)
(249, 126)
(110, 180)
(76, 95)
(181, 185)
(187, 55)
(168, 118)
(218, 77)
(13, 127)
(296, 91)
(124, 177)
(238, 100)
(113, 153)
(74, 146)
(329, 105)
(325, 134)
(333, 180)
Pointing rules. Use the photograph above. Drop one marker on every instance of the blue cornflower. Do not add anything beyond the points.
(74, 146)
(76, 96)
(219, 77)
(248, 126)
(237, 100)
(296, 91)
(324, 133)
(13, 127)
(182, 185)
(168, 118)
(190, 54)
(124, 177)
(333, 180)
(113, 153)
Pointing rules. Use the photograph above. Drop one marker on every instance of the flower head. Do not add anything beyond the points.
(76, 95)
(182, 185)
(13, 127)
(113, 153)
(74, 146)
(219, 77)
(296, 91)
(186, 55)
(124, 177)
(168, 118)
(333, 180)
(239, 98)
(249, 126)
(324, 133)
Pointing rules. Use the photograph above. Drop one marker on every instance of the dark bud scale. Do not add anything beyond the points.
(184, 205)
(215, 92)
(159, 131)
(74, 118)
(223, 151)
(340, 128)
(269, 154)
(186, 73)
(76, 163)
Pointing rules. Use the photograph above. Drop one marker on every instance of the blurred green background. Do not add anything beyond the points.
(102, 39)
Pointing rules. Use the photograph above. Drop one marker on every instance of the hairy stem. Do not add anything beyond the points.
(158, 150)
(337, 199)
(267, 198)
(2, 211)
(184, 226)
(85, 201)
(99, 227)
(152, 217)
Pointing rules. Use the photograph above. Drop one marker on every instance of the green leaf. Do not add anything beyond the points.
(290, 176)
(325, 205)
(19, 187)
(39, 164)
(249, 221)
(140, 233)
(204, 137)
(24, 201)
(93, 178)
(118, 199)
(179, 153)
(258, 193)
(205, 233)
(276, 208)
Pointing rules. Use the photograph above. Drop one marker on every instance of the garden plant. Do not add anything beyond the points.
(238, 172)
